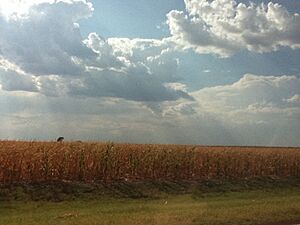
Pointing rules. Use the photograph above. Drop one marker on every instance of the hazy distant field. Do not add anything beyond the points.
(34, 162)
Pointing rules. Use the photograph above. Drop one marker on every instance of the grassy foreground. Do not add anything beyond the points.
(235, 208)
(198, 207)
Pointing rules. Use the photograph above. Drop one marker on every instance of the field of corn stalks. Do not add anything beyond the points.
(40, 162)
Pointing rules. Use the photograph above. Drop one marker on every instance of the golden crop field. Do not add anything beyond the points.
(38, 162)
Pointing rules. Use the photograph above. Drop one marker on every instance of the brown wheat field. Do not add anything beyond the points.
(38, 162)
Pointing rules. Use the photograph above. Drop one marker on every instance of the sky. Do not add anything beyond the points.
(209, 72)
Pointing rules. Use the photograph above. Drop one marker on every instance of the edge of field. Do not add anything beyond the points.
(65, 191)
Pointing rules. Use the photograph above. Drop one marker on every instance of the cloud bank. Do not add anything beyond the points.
(224, 27)
(47, 54)
(255, 110)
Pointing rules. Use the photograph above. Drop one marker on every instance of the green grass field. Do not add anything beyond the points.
(217, 207)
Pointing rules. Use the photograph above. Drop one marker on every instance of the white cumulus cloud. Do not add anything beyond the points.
(43, 51)
(224, 27)
(46, 40)
(293, 99)
(253, 98)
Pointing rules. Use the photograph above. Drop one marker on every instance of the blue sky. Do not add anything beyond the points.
(118, 18)
(215, 72)
(131, 19)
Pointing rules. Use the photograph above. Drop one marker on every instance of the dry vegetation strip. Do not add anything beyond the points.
(34, 162)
